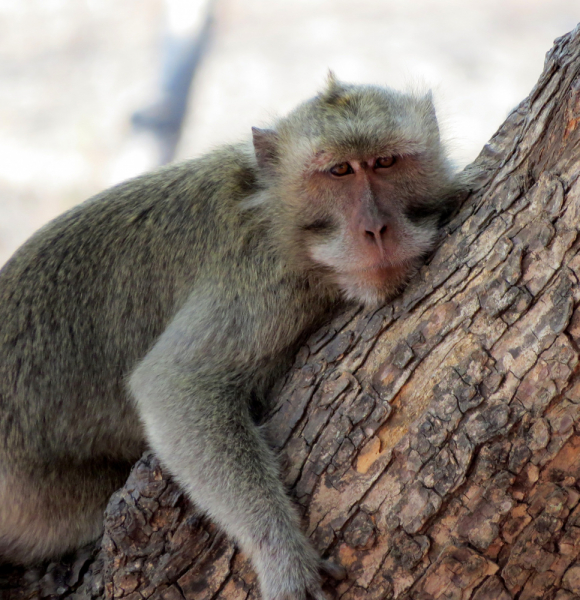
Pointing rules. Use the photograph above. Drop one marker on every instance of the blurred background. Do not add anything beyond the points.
(95, 91)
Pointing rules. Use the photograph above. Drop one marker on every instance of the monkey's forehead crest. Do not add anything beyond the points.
(363, 136)
(368, 118)
(339, 95)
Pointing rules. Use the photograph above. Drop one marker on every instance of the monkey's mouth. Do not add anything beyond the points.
(372, 285)
(381, 272)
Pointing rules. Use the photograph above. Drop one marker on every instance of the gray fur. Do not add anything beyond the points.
(162, 310)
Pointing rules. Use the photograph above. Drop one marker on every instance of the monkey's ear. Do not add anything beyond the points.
(265, 147)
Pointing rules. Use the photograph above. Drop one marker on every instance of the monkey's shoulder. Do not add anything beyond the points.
(151, 217)
(184, 197)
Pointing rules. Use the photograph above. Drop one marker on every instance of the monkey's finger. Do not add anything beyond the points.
(333, 569)
(316, 594)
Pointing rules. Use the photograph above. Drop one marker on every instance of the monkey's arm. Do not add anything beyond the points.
(192, 392)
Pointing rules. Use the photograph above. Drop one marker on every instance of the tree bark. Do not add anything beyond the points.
(433, 445)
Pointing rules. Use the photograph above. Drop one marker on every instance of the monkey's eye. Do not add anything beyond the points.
(341, 169)
(384, 162)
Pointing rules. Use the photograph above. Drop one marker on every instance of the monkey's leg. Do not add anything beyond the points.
(50, 510)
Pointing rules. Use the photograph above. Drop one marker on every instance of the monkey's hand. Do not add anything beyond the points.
(304, 580)
(289, 571)
(192, 400)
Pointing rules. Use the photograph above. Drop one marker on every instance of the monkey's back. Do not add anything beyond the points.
(85, 298)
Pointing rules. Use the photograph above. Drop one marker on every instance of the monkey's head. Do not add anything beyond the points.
(361, 183)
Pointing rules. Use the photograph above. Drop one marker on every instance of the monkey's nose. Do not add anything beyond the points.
(376, 234)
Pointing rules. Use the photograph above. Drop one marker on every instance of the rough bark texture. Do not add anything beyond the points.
(434, 444)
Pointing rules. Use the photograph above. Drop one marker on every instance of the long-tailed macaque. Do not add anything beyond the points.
(159, 312)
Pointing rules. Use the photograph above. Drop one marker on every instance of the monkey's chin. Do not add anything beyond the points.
(373, 286)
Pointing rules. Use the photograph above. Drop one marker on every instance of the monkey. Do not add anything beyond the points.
(160, 312)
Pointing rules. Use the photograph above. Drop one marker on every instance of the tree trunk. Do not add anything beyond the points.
(433, 444)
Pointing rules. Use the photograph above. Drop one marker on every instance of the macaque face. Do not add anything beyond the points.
(363, 221)
(362, 181)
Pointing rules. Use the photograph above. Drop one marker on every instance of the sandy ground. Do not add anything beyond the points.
(73, 71)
